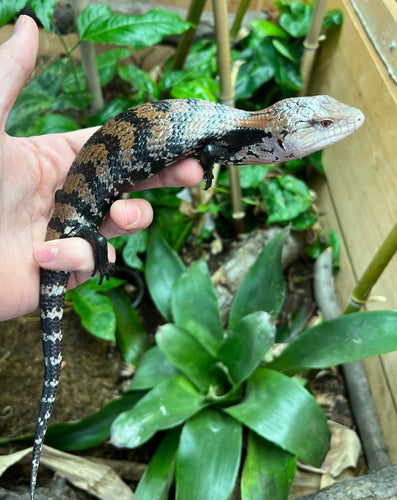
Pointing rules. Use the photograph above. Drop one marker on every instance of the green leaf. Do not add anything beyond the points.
(92, 284)
(44, 10)
(304, 221)
(140, 80)
(268, 471)
(37, 97)
(159, 475)
(115, 106)
(244, 347)
(91, 430)
(132, 340)
(287, 73)
(136, 243)
(253, 175)
(263, 288)
(9, 9)
(195, 308)
(315, 159)
(203, 88)
(286, 197)
(208, 457)
(255, 71)
(297, 22)
(342, 340)
(153, 368)
(187, 354)
(279, 409)
(167, 405)
(335, 245)
(333, 17)
(107, 66)
(163, 267)
(283, 49)
(96, 313)
(53, 124)
(98, 24)
(266, 28)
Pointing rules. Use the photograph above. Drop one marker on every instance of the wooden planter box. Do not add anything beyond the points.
(359, 197)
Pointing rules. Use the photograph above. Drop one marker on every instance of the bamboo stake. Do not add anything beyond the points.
(244, 4)
(227, 97)
(88, 59)
(312, 43)
(186, 40)
(375, 268)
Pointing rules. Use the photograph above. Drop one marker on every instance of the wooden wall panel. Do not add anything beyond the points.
(360, 196)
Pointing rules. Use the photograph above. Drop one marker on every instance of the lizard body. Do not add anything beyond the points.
(139, 143)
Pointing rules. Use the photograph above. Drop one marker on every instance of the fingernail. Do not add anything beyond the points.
(20, 22)
(131, 216)
(46, 253)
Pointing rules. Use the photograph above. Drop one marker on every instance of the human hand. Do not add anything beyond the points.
(31, 170)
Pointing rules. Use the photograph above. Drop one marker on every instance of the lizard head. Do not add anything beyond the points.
(304, 125)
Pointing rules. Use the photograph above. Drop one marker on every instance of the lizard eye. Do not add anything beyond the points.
(326, 123)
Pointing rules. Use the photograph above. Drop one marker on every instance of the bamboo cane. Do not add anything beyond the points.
(242, 9)
(312, 43)
(186, 40)
(227, 97)
(370, 276)
(88, 60)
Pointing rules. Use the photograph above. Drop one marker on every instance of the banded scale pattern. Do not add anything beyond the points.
(139, 143)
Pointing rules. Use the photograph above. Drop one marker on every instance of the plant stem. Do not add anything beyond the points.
(88, 59)
(311, 43)
(375, 268)
(227, 97)
(244, 4)
(186, 40)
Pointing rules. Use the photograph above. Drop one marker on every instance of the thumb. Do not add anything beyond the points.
(17, 60)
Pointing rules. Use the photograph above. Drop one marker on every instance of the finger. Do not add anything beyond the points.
(185, 173)
(127, 217)
(69, 254)
(17, 60)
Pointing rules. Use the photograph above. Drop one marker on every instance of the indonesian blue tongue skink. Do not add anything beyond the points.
(139, 143)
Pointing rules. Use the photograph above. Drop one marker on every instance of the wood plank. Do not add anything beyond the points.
(361, 200)
(379, 19)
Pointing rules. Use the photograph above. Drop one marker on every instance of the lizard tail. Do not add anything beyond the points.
(52, 294)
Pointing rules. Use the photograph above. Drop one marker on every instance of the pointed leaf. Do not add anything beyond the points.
(153, 368)
(348, 338)
(187, 354)
(279, 409)
(98, 24)
(91, 430)
(131, 337)
(10, 9)
(208, 457)
(44, 9)
(244, 348)
(268, 470)
(263, 288)
(159, 475)
(195, 306)
(163, 266)
(167, 405)
(96, 313)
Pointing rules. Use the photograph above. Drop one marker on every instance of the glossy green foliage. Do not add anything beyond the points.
(263, 289)
(268, 470)
(208, 456)
(341, 340)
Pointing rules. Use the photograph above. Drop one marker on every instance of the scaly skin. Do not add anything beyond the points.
(139, 143)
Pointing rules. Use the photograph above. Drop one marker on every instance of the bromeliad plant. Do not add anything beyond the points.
(209, 387)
